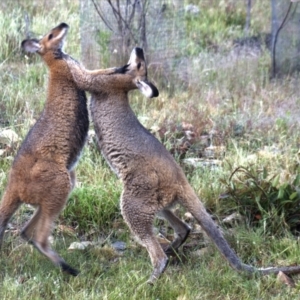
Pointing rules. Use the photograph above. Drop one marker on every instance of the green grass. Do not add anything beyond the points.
(124, 277)
(225, 92)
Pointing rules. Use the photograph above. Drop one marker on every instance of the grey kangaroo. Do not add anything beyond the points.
(42, 173)
(152, 180)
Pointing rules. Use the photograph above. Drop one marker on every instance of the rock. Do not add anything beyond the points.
(8, 137)
(188, 217)
(51, 239)
(200, 163)
(281, 277)
(233, 219)
(80, 245)
(119, 245)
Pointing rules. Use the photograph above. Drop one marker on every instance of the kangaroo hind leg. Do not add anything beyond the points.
(52, 200)
(37, 232)
(181, 230)
(139, 217)
(9, 204)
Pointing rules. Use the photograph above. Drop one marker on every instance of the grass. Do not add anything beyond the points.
(226, 92)
(124, 277)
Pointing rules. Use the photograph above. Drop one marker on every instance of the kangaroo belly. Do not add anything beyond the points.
(114, 167)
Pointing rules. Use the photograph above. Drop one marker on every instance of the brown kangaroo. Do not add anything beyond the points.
(152, 180)
(42, 173)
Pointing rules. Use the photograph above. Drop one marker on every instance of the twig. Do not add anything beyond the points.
(275, 40)
(101, 16)
(115, 11)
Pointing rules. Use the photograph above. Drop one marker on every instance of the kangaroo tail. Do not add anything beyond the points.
(197, 209)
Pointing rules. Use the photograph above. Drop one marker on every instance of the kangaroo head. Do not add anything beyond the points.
(137, 68)
(50, 45)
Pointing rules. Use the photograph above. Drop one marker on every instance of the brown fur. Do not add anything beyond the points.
(152, 180)
(42, 173)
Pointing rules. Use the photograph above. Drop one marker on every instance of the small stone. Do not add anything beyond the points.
(188, 217)
(281, 277)
(80, 245)
(119, 245)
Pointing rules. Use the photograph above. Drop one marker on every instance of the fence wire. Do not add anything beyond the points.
(101, 41)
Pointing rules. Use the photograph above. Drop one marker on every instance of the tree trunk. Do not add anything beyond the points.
(285, 37)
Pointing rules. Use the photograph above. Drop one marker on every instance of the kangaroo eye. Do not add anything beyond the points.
(139, 65)
(50, 36)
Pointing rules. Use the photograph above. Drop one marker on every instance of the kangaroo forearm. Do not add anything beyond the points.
(91, 80)
(108, 71)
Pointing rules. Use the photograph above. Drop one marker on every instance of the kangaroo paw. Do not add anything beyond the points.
(68, 269)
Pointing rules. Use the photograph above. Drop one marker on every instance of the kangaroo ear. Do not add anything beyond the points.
(147, 88)
(30, 45)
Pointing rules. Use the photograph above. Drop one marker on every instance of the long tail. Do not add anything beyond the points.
(197, 209)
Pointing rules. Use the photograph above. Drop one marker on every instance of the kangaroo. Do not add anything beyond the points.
(152, 180)
(42, 173)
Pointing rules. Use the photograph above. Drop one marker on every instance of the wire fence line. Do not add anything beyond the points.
(102, 42)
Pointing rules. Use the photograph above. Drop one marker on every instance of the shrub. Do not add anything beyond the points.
(264, 200)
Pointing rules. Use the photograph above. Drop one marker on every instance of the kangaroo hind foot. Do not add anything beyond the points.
(181, 231)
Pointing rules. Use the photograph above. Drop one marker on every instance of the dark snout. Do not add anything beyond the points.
(155, 92)
(139, 53)
(63, 26)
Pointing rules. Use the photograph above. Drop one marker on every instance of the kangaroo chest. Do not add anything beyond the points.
(119, 136)
(78, 130)
(60, 132)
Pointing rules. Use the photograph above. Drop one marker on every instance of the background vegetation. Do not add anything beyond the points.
(229, 106)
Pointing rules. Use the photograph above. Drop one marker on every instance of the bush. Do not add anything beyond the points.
(264, 200)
